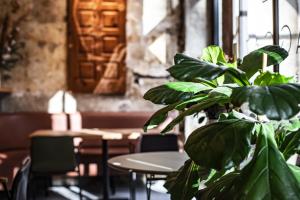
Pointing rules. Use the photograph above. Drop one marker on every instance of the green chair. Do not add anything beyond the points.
(53, 156)
(153, 143)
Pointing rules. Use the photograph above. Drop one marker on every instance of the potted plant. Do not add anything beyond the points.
(241, 156)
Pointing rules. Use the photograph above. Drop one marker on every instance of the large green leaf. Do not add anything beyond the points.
(173, 92)
(267, 176)
(276, 102)
(158, 117)
(213, 54)
(222, 188)
(290, 144)
(296, 172)
(191, 69)
(161, 115)
(184, 184)
(268, 78)
(220, 145)
(204, 103)
(254, 60)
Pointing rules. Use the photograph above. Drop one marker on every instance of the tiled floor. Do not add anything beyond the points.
(92, 190)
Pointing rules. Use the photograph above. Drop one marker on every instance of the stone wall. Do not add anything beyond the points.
(43, 71)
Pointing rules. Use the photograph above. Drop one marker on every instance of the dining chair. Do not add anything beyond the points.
(20, 182)
(153, 143)
(53, 156)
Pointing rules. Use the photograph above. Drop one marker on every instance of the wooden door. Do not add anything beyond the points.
(96, 46)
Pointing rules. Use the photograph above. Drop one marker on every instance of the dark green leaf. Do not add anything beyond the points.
(187, 103)
(254, 60)
(221, 189)
(296, 172)
(276, 102)
(158, 117)
(213, 54)
(191, 69)
(268, 78)
(183, 185)
(267, 176)
(220, 145)
(173, 92)
(201, 105)
(235, 115)
(290, 144)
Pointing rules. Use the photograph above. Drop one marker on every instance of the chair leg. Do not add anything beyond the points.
(112, 185)
(32, 188)
(79, 185)
(6, 190)
(47, 182)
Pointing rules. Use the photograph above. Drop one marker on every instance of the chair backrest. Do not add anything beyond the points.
(20, 183)
(52, 155)
(158, 142)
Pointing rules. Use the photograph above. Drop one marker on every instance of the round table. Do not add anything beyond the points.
(159, 163)
(153, 163)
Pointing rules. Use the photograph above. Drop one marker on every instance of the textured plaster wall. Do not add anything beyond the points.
(43, 71)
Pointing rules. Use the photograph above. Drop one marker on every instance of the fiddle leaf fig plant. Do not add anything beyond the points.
(243, 155)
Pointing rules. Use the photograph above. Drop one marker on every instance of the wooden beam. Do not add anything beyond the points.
(227, 24)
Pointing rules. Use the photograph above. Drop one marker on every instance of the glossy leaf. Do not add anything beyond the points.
(267, 176)
(254, 60)
(235, 115)
(296, 171)
(201, 105)
(276, 102)
(173, 92)
(290, 144)
(268, 78)
(191, 69)
(158, 117)
(220, 145)
(213, 54)
(183, 185)
(222, 188)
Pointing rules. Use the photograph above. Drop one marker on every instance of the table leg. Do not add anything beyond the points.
(132, 179)
(105, 170)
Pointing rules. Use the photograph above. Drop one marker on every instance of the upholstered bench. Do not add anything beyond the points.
(14, 141)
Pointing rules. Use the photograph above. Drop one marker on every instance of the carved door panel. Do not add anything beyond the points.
(96, 46)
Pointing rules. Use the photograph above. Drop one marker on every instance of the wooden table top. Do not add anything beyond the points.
(106, 134)
(159, 163)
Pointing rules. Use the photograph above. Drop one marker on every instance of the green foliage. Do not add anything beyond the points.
(276, 101)
(254, 60)
(191, 69)
(268, 176)
(174, 91)
(213, 54)
(242, 156)
(184, 184)
(268, 78)
(213, 146)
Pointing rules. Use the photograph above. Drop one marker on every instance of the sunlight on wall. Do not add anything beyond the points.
(55, 104)
(70, 103)
(62, 102)
(154, 11)
(159, 48)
